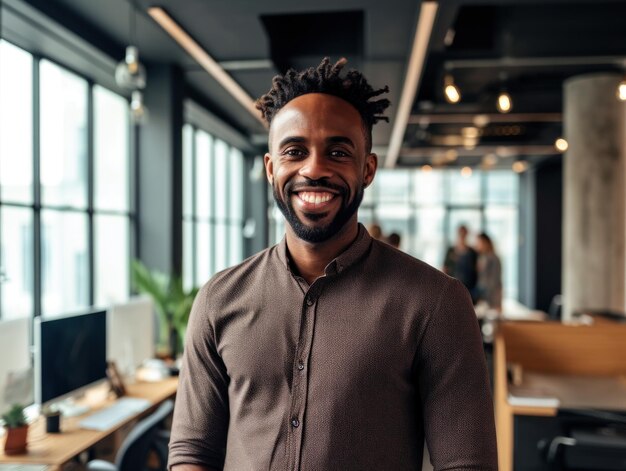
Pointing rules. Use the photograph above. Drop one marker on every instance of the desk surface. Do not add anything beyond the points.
(512, 310)
(57, 449)
(575, 392)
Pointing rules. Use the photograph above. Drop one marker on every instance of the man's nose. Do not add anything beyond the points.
(316, 166)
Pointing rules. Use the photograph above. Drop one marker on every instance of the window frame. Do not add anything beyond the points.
(190, 215)
(90, 211)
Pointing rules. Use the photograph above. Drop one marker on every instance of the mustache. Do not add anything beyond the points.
(292, 186)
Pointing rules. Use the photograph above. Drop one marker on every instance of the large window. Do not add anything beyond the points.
(213, 212)
(65, 213)
(426, 208)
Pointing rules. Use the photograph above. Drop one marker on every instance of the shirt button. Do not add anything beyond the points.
(300, 365)
(295, 423)
(309, 302)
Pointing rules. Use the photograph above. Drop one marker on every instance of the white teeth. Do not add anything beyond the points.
(314, 197)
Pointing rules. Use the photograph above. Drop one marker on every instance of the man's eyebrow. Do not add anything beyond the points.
(340, 140)
(291, 140)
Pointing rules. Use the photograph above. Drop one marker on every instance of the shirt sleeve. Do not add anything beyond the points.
(454, 387)
(201, 413)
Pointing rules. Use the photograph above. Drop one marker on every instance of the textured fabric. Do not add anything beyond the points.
(350, 373)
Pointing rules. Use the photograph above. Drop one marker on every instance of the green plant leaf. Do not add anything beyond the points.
(172, 302)
(14, 417)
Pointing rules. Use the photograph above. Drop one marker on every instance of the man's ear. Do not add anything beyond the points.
(269, 168)
(371, 165)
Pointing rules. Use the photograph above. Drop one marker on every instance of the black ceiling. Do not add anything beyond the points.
(527, 47)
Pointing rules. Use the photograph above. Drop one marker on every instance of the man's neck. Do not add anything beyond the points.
(310, 259)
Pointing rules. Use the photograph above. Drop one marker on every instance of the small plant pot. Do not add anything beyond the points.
(16, 441)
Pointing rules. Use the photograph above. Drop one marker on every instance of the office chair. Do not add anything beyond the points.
(134, 451)
(595, 440)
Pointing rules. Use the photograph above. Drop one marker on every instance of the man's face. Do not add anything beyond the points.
(318, 164)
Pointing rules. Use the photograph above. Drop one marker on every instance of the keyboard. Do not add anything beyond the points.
(23, 467)
(114, 414)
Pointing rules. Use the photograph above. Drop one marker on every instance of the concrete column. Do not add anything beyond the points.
(594, 225)
(160, 171)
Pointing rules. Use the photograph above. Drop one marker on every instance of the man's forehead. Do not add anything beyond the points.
(315, 110)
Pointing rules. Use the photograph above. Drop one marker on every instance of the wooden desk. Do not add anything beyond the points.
(578, 361)
(60, 448)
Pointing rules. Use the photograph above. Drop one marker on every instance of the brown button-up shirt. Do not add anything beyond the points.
(349, 373)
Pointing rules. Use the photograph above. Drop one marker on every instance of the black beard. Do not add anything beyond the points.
(318, 234)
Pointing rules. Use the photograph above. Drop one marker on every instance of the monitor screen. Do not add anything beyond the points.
(130, 333)
(70, 354)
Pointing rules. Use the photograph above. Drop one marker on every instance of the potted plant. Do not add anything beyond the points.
(17, 430)
(173, 304)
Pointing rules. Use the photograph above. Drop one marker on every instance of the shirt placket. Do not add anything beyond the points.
(300, 381)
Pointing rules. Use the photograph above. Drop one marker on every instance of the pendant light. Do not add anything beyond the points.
(130, 74)
(138, 110)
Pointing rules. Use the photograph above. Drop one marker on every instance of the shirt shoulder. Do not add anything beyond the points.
(386, 260)
(240, 282)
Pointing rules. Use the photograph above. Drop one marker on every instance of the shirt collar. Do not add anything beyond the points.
(346, 259)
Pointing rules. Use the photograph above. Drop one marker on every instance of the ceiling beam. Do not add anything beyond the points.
(425, 22)
(534, 62)
(205, 60)
(479, 151)
(471, 118)
(250, 64)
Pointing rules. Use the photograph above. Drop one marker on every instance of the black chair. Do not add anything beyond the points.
(136, 447)
(593, 441)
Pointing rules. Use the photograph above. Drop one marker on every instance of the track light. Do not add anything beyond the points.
(206, 61)
(504, 103)
(450, 90)
(466, 172)
(621, 90)
(561, 144)
(520, 166)
(425, 22)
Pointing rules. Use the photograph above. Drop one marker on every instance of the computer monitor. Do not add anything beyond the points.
(14, 358)
(70, 354)
(130, 334)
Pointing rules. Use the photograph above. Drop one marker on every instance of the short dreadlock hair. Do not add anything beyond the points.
(325, 78)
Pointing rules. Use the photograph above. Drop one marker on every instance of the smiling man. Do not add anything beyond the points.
(330, 350)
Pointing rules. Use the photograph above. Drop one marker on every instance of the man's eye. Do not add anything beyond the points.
(339, 153)
(293, 152)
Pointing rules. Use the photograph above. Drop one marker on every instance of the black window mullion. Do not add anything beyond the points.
(37, 226)
(212, 217)
(90, 194)
(483, 200)
(193, 210)
(228, 218)
(133, 194)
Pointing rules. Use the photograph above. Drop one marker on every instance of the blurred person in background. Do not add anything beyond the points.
(489, 284)
(460, 262)
(394, 240)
